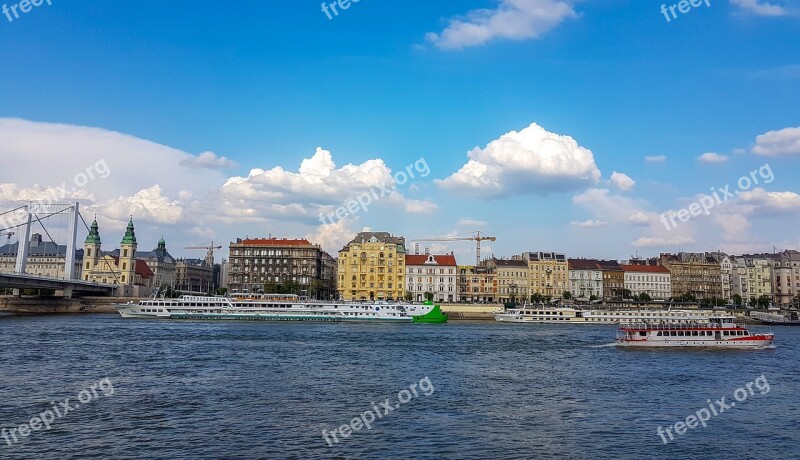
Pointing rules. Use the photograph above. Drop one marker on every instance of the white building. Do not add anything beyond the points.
(585, 278)
(786, 276)
(752, 277)
(431, 273)
(653, 280)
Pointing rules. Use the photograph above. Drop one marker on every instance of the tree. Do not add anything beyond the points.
(409, 296)
(626, 294)
(592, 298)
(737, 300)
(753, 302)
(566, 295)
(537, 298)
(429, 296)
(222, 291)
(645, 297)
(764, 301)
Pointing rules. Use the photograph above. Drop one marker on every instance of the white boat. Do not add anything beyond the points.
(270, 307)
(535, 314)
(778, 319)
(717, 332)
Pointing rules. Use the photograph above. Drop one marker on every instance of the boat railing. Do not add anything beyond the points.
(673, 325)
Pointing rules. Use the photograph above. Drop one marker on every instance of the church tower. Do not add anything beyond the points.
(127, 256)
(91, 250)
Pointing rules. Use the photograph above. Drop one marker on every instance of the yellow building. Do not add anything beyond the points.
(548, 273)
(117, 267)
(512, 279)
(372, 267)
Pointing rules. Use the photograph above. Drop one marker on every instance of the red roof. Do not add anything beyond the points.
(644, 268)
(141, 268)
(275, 242)
(420, 259)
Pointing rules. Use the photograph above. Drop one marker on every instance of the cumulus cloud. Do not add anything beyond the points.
(589, 223)
(532, 160)
(421, 206)
(207, 160)
(764, 202)
(776, 143)
(608, 206)
(655, 158)
(332, 237)
(712, 157)
(661, 242)
(622, 181)
(148, 204)
(510, 20)
(642, 219)
(760, 8)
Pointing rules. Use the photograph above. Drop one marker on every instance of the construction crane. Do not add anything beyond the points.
(477, 239)
(210, 255)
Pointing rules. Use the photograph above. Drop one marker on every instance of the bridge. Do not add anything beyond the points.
(20, 221)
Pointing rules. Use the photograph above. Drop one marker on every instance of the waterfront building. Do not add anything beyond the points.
(195, 276)
(372, 267)
(512, 279)
(786, 276)
(272, 264)
(585, 278)
(161, 263)
(476, 284)
(117, 267)
(695, 274)
(753, 276)
(613, 279)
(726, 270)
(653, 280)
(434, 274)
(548, 273)
(44, 258)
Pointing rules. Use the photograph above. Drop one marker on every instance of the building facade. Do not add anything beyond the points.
(548, 273)
(428, 273)
(726, 269)
(752, 277)
(194, 276)
(44, 258)
(476, 284)
(512, 279)
(259, 265)
(613, 279)
(654, 281)
(372, 267)
(695, 274)
(161, 263)
(118, 267)
(585, 279)
(786, 277)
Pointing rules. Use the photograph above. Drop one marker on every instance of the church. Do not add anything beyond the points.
(120, 267)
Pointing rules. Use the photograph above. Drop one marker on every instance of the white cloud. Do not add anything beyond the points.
(603, 204)
(332, 237)
(421, 206)
(655, 158)
(532, 160)
(712, 157)
(760, 8)
(511, 20)
(207, 160)
(471, 223)
(622, 181)
(148, 204)
(775, 143)
(589, 224)
(771, 203)
(642, 219)
(650, 242)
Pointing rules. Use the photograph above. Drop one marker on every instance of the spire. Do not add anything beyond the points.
(94, 234)
(162, 245)
(130, 236)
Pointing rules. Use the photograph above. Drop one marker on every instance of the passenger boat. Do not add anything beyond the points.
(533, 314)
(279, 307)
(718, 331)
(777, 319)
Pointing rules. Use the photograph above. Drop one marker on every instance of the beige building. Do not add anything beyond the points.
(476, 284)
(44, 258)
(696, 274)
(257, 264)
(786, 276)
(548, 273)
(512, 279)
(372, 267)
(119, 267)
(428, 273)
(752, 277)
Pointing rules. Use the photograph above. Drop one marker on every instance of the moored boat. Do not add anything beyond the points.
(535, 314)
(777, 319)
(279, 307)
(717, 331)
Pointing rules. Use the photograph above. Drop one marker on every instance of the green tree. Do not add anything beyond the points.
(753, 302)
(429, 296)
(764, 301)
(409, 297)
(626, 294)
(645, 297)
(537, 298)
(566, 295)
(737, 300)
(592, 298)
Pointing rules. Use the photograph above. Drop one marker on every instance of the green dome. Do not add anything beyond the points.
(130, 236)
(94, 234)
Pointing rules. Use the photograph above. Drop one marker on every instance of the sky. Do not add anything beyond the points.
(595, 128)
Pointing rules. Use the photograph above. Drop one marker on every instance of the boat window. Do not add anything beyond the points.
(659, 334)
(725, 333)
(694, 333)
(673, 333)
(680, 333)
(643, 334)
(746, 333)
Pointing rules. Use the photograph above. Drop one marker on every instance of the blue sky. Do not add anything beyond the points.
(264, 84)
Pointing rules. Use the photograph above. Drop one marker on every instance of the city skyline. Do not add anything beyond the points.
(230, 131)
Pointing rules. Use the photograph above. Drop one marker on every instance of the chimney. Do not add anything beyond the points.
(416, 248)
(427, 251)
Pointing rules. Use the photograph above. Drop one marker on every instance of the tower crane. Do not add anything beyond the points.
(210, 255)
(477, 238)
